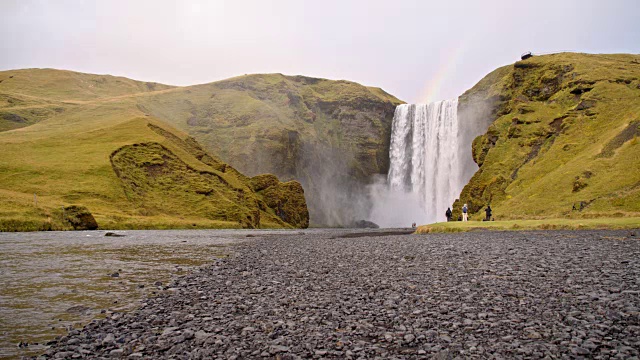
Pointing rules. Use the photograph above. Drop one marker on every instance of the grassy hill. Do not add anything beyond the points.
(329, 135)
(30, 95)
(84, 141)
(563, 139)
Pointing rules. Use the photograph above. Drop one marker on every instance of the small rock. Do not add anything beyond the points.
(580, 351)
(279, 349)
(409, 338)
(170, 330)
(534, 335)
(109, 340)
(201, 334)
(116, 352)
(113, 234)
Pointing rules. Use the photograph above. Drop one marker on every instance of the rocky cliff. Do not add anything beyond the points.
(562, 138)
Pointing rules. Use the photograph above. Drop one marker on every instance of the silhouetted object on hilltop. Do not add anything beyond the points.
(526, 55)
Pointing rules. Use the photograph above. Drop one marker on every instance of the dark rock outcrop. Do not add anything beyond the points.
(286, 199)
(159, 182)
(365, 224)
(13, 118)
(112, 234)
(80, 218)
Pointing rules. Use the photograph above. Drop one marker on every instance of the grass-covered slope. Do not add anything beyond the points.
(127, 169)
(563, 139)
(31, 95)
(330, 135)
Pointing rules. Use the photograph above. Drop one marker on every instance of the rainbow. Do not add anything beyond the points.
(448, 61)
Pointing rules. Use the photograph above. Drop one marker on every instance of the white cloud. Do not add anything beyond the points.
(401, 46)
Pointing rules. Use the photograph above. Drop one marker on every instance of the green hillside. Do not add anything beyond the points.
(30, 95)
(130, 170)
(329, 135)
(563, 139)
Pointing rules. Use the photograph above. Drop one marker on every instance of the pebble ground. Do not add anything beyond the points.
(554, 294)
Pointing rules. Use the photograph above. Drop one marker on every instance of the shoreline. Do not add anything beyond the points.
(309, 295)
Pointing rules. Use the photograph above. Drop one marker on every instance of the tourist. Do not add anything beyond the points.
(465, 216)
(448, 213)
(488, 212)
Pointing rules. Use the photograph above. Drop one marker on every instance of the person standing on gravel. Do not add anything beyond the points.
(465, 216)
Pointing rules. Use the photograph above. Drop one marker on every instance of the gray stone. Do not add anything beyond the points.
(437, 296)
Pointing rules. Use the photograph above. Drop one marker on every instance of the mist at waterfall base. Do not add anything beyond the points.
(430, 163)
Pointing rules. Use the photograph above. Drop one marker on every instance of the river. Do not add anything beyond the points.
(51, 282)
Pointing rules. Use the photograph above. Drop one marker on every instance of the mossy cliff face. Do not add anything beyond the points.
(331, 136)
(159, 182)
(286, 199)
(80, 218)
(562, 138)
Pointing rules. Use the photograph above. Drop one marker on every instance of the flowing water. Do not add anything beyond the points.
(430, 162)
(51, 282)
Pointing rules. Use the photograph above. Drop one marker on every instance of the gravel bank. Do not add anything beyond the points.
(476, 295)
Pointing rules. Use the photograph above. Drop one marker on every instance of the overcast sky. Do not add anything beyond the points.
(416, 50)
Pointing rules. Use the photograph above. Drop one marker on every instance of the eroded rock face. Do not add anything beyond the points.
(287, 200)
(80, 218)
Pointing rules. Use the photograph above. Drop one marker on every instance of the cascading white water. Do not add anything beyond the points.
(424, 155)
(430, 161)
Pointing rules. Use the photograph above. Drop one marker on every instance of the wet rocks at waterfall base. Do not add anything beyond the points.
(365, 224)
(474, 295)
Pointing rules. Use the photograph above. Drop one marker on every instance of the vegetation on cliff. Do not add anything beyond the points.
(101, 158)
(562, 140)
(329, 135)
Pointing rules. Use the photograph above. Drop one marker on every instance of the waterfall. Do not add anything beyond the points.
(430, 162)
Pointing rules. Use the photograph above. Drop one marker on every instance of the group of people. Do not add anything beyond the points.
(465, 213)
